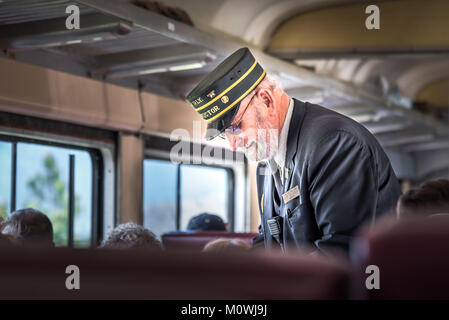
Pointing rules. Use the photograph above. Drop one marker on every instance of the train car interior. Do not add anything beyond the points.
(97, 91)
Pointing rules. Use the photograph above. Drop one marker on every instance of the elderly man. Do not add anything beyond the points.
(326, 173)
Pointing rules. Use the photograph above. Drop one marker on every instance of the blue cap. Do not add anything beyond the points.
(206, 222)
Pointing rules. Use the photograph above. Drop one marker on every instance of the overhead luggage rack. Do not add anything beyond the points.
(127, 45)
(20, 11)
(106, 47)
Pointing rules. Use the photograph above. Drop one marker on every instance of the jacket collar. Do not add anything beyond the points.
(299, 111)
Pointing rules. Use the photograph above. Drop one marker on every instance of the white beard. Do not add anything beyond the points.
(252, 153)
(263, 148)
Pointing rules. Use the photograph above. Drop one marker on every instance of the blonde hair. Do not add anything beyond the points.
(226, 245)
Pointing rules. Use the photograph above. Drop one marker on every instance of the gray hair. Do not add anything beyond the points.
(130, 235)
(269, 82)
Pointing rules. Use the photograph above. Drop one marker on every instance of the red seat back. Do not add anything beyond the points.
(197, 240)
(412, 256)
(104, 274)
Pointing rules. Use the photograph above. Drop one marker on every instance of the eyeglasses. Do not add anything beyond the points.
(235, 129)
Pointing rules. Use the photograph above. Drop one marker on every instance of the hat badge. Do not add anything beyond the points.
(211, 94)
(225, 99)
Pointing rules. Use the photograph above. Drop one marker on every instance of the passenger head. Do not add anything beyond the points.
(432, 197)
(6, 240)
(29, 227)
(206, 222)
(226, 245)
(131, 236)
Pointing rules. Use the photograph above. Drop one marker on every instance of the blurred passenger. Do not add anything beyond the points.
(29, 227)
(226, 245)
(430, 198)
(206, 222)
(6, 240)
(130, 235)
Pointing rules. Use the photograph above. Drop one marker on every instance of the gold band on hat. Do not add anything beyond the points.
(239, 98)
(228, 88)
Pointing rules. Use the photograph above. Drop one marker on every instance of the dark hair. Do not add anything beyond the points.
(131, 236)
(6, 240)
(29, 226)
(430, 198)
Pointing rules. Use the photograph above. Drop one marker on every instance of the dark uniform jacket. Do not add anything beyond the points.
(344, 179)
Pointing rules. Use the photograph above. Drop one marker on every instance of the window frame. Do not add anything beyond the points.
(158, 148)
(99, 143)
(96, 160)
(230, 191)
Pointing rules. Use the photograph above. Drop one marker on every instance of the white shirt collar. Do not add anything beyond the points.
(279, 156)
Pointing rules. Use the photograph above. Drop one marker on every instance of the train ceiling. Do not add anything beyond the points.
(378, 85)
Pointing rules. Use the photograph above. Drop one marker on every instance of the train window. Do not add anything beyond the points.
(203, 189)
(40, 176)
(5, 181)
(160, 194)
(174, 193)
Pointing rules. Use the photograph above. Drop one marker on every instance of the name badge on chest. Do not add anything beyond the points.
(291, 194)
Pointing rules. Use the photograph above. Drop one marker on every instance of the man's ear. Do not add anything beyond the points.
(267, 97)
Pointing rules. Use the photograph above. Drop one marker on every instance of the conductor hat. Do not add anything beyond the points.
(217, 97)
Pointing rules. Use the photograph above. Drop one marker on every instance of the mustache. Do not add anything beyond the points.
(242, 145)
(265, 138)
(250, 144)
(245, 148)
